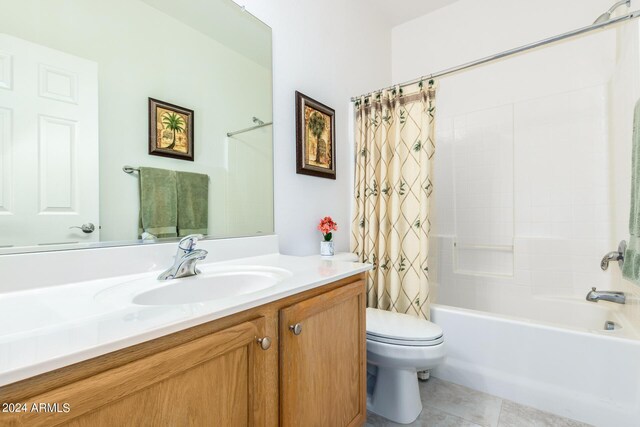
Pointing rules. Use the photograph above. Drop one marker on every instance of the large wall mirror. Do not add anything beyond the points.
(129, 121)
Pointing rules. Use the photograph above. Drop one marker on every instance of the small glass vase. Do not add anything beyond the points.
(326, 248)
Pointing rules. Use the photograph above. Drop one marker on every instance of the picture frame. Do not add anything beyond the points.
(315, 138)
(170, 130)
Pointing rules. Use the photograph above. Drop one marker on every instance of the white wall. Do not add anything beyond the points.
(329, 51)
(471, 29)
(542, 119)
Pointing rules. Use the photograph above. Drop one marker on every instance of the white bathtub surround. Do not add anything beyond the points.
(550, 354)
(523, 211)
(66, 307)
(522, 196)
(395, 145)
(550, 131)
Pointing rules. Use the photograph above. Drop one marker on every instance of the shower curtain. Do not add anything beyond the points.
(395, 144)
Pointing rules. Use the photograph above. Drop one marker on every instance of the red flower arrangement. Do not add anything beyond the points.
(326, 226)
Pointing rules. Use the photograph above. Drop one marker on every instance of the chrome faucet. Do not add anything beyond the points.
(612, 296)
(185, 259)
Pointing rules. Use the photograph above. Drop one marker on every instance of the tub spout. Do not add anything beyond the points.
(612, 296)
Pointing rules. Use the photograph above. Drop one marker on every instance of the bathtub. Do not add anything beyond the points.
(552, 354)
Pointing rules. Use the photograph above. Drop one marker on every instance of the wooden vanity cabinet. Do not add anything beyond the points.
(215, 380)
(323, 360)
(221, 373)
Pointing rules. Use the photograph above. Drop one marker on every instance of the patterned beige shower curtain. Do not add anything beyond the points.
(395, 144)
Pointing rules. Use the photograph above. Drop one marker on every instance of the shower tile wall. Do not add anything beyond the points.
(558, 235)
(483, 213)
(624, 91)
(521, 199)
(562, 188)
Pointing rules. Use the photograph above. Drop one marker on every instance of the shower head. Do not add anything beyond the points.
(607, 15)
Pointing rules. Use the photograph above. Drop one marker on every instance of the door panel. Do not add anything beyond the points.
(48, 145)
(189, 398)
(323, 369)
(6, 121)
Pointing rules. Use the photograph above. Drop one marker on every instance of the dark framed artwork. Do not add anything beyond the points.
(315, 138)
(170, 130)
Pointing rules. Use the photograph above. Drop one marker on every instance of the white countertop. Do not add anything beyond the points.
(48, 328)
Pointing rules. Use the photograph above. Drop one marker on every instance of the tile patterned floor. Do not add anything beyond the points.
(450, 405)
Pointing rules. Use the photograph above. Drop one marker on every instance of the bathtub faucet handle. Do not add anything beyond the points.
(614, 256)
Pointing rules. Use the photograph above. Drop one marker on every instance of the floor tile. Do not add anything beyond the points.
(374, 420)
(450, 405)
(517, 415)
(429, 417)
(470, 405)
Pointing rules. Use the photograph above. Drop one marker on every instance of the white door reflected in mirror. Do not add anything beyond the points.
(49, 145)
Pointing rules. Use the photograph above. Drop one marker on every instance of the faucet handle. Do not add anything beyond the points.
(614, 256)
(188, 243)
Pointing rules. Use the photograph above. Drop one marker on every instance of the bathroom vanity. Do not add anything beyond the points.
(296, 361)
(87, 332)
(292, 353)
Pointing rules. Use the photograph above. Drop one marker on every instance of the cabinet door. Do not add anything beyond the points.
(216, 380)
(323, 359)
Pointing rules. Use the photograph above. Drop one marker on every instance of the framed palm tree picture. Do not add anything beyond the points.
(315, 138)
(170, 130)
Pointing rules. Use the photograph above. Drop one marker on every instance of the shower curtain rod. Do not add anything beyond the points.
(510, 52)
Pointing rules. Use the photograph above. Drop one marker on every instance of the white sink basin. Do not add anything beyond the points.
(210, 286)
(214, 283)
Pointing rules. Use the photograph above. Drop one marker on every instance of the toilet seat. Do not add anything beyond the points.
(401, 329)
(405, 343)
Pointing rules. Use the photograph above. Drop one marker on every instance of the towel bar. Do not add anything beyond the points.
(130, 170)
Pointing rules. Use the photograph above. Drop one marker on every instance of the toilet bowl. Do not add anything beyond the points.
(399, 345)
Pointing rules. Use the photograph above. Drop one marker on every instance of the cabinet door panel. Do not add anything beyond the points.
(323, 369)
(191, 398)
(213, 380)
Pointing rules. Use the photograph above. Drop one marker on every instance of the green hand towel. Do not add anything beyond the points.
(158, 202)
(193, 203)
(631, 267)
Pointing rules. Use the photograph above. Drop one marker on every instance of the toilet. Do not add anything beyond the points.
(399, 345)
